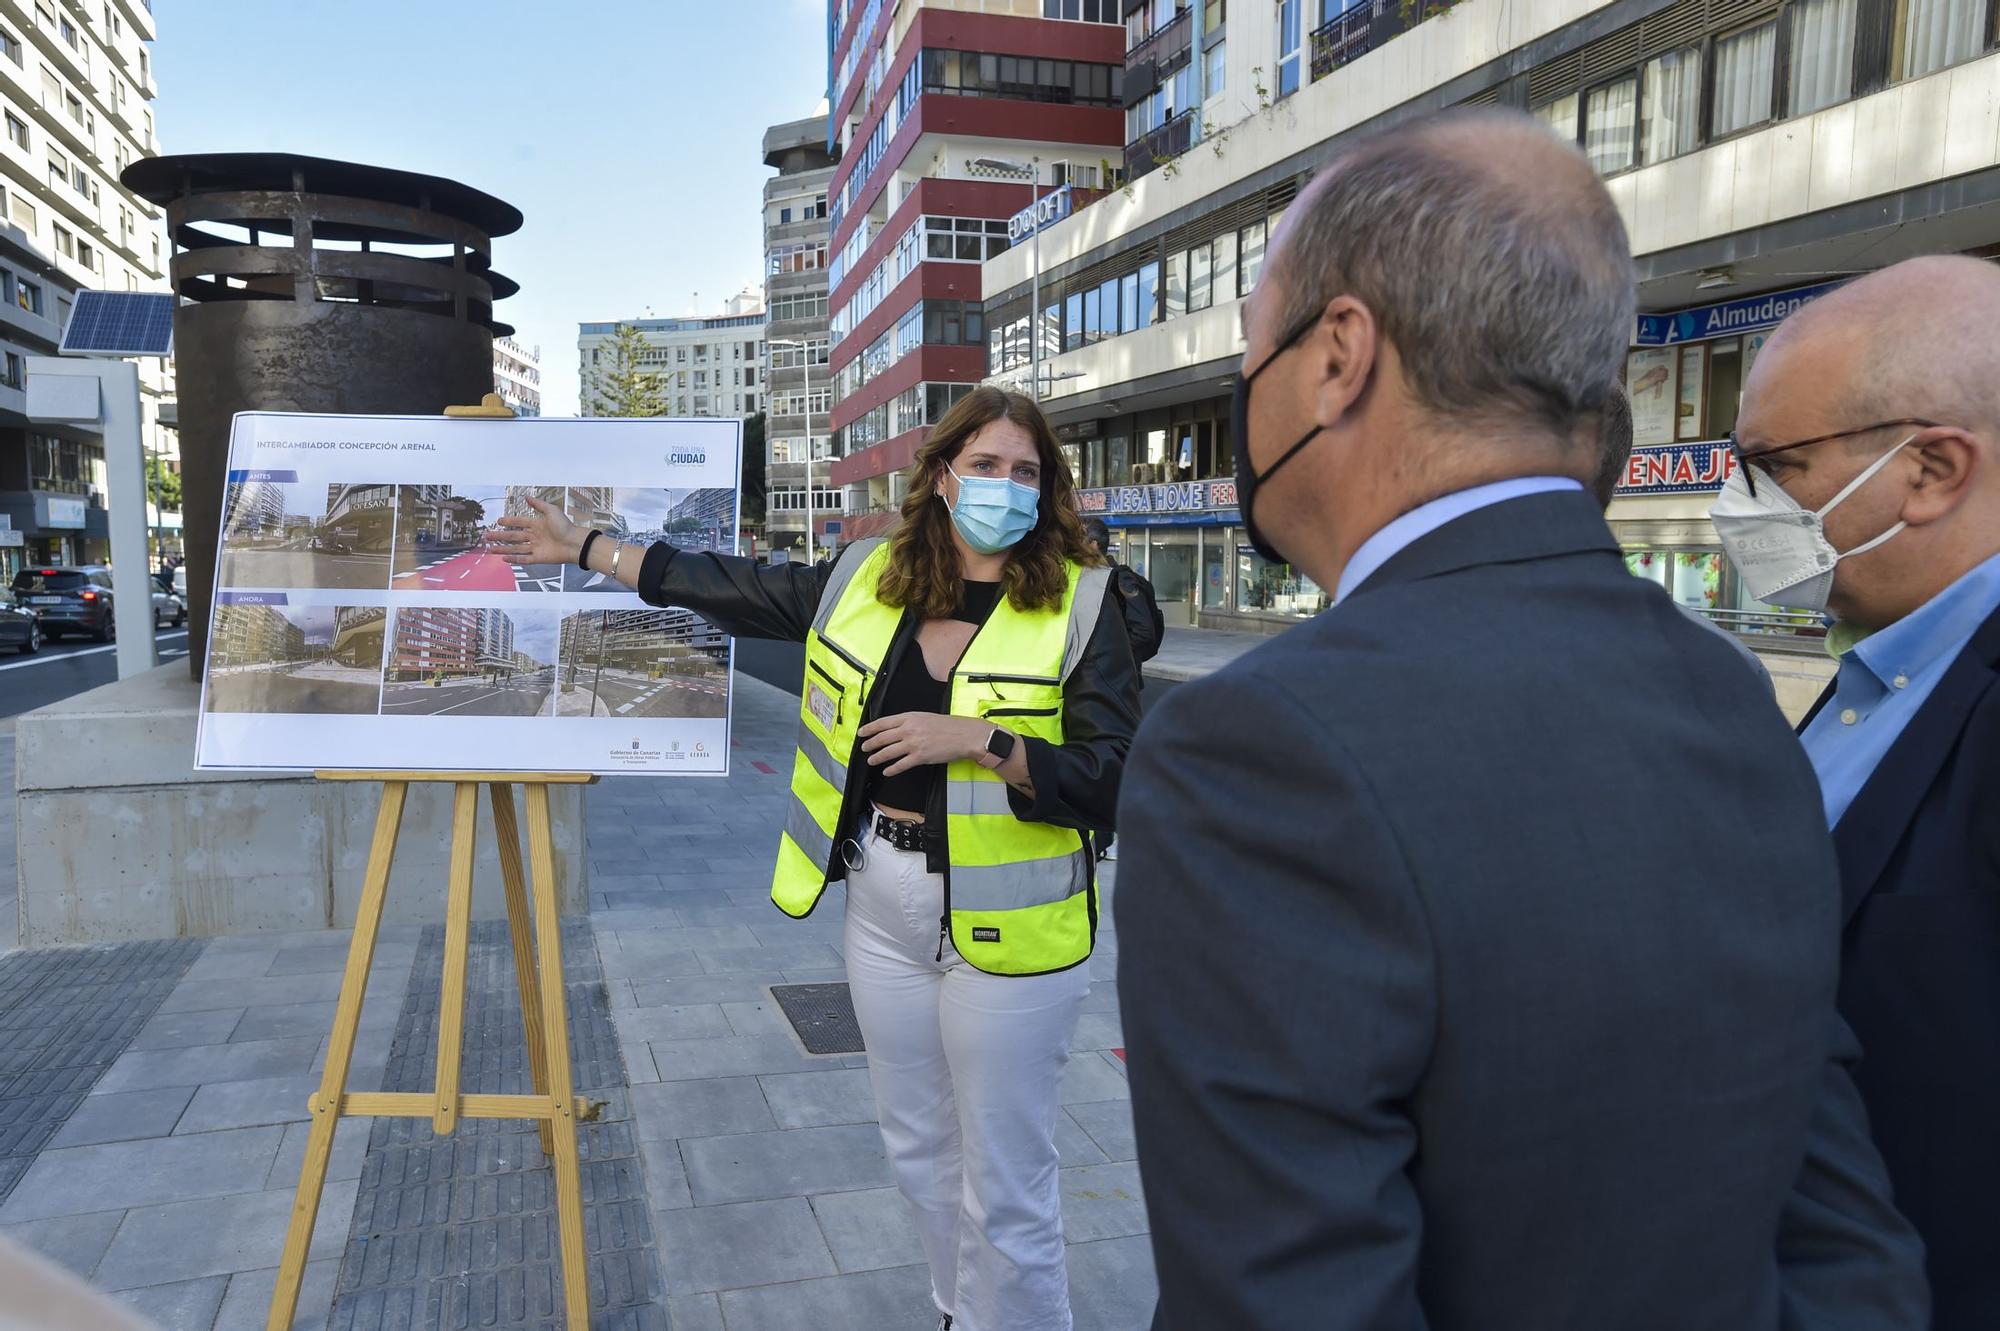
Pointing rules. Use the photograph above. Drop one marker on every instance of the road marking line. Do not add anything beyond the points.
(84, 651)
(627, 707)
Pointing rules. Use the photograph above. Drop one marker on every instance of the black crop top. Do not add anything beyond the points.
(912, 688)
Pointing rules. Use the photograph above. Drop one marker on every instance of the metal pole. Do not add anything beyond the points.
(1035, 284)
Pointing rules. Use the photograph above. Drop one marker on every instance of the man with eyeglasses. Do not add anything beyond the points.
(1868, 488)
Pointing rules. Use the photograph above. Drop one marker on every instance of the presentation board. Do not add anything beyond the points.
(362, 621)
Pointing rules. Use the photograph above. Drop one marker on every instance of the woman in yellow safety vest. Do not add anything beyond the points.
(969, 696)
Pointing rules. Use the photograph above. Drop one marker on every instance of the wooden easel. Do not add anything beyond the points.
(544, 1010)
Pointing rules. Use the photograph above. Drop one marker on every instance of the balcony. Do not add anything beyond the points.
(1159, 55)
(1159, 145)
(1347, 38)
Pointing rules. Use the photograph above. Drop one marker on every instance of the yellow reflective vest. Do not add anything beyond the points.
(1020, 897)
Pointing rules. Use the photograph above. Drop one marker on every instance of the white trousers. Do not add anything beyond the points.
(966, 1067)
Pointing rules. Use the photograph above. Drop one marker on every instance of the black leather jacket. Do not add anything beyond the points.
(1076, 782)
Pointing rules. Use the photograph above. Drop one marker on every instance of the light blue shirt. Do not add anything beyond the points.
(1419, 522)
(1885, 678)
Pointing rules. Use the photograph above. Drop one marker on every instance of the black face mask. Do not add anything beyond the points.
(1247, 479)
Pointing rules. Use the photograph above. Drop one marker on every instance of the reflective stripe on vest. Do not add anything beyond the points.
(1022, 894)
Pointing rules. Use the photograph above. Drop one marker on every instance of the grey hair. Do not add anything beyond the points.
(1614, 437)
(1508, 299)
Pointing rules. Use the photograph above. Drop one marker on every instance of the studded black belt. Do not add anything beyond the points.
(901, 835)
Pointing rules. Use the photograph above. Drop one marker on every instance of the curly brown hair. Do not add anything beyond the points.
(923, 572)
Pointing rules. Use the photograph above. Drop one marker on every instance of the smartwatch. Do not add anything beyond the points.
(999, 747)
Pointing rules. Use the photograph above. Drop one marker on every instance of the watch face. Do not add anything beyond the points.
(1000, 744)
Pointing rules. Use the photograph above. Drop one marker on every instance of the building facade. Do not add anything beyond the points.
(949, 119)
(703, 366)
(796, 425)
(517, 376)
(76, 95)
(1759, 152)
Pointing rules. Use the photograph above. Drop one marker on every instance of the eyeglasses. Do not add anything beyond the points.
(1743, 460)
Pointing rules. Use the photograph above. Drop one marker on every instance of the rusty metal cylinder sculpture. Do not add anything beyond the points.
(312, 285)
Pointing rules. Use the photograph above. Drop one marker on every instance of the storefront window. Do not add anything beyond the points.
(1274, 589)
(1216, 542)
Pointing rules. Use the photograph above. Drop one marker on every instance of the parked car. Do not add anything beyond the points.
(20, 626)
(69, 600)
(181, 582)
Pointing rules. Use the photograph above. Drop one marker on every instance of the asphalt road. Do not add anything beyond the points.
(281, 691)
(476, 570)
(70, 666)
(662, 697)
(526, 696)
(304, 568)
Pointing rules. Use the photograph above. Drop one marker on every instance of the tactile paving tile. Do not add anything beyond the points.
(823, 1015)
(460, 1231)
(66, 1014)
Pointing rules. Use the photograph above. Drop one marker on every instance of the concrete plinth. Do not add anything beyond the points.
(121, 839)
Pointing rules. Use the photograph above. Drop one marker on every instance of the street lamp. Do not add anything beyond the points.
(805, 359)
(1030, 171)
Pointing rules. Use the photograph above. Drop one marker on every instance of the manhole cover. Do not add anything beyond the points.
(822, 1014)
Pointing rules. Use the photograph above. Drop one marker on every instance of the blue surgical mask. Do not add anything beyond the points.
(993, 515)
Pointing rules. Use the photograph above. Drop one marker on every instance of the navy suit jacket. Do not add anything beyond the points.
(1920, 980)
(1479, 945)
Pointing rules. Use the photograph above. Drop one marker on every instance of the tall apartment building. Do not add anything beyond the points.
(795, 273)
(76, 94)
(705, 365)
(948, 122)
(1760, 152)
(517, 376)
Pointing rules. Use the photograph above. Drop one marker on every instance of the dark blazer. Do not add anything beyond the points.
(1920, 982)
(1479, 942)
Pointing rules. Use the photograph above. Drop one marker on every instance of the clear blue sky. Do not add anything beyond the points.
(628, 131)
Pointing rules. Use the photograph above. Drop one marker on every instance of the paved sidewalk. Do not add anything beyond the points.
(774, 1205)
(170, 1181)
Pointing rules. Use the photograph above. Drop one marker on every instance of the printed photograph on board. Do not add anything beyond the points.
(266, 655)
(687, 519)
(470, 661)
(441, 539)
(649, 663)
(279, 531)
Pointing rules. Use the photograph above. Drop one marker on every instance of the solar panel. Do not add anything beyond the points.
(120, 323)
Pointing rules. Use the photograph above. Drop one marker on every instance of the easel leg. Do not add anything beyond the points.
(520, 925)
(457, 936)
(555, 1032)
(325, 1106)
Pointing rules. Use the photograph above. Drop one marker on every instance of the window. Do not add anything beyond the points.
(1177, 287)
(58, 172)
(1149, 294)
(784, 217)
(1017, 78)
(1288, 47)
(1215, 16)
(1932, 34)
(14, 379)
(1200, 290)
(17, 130)
(79, 180)
(1822, 61)
(1669, 118)
(1559, 116)
(28, 296)
(1072, 326)
(10, 46)
(1251, 242)
(1218, 68)
(65, 242)
(1107, 302)
(1743, 65)
(1609, 113)
(1082, 11)
(86, 254)
(1225, 266)
(67, 31)
(74, 105)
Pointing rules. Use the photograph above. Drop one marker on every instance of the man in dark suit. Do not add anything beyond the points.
(1480, 937)
(1871, 490)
